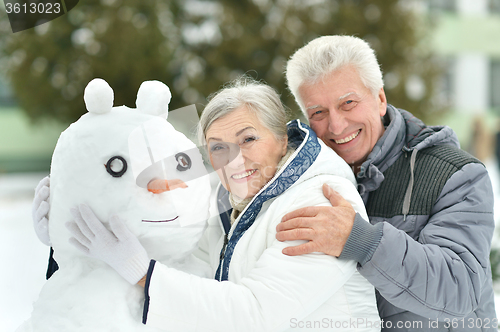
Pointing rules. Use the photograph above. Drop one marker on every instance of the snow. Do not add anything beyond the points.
(24, 259)
(98, 96)
(153, 97)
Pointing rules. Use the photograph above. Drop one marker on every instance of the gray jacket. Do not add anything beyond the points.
(433, 265)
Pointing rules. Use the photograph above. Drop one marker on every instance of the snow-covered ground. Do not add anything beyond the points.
(24, 259)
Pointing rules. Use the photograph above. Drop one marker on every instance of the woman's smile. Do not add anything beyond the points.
(243, 176)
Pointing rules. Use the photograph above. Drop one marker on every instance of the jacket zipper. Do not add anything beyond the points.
(223, 251)
(224, 246)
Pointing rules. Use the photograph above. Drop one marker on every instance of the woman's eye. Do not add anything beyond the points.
(249, 139)
(218, 149)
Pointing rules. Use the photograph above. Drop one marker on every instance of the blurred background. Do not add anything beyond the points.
(440, 59)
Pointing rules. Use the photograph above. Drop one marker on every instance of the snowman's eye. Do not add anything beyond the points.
(183, 161)
(116, 166)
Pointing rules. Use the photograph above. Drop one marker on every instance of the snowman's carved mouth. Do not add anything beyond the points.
(156, 221)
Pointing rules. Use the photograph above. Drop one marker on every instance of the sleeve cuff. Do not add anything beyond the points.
(146, 291)
(363, 241)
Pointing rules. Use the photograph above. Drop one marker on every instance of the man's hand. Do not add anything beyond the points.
(40, 211)
(325, 227)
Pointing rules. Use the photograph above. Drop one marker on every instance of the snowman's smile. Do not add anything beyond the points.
(166, 220)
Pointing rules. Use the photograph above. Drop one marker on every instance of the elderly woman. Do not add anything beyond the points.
(267, 169)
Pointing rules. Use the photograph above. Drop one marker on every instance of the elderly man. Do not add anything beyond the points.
(430, 204)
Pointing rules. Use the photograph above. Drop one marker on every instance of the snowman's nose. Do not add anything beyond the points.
(159, 186)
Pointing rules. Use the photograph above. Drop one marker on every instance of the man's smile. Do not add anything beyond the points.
(348, 138)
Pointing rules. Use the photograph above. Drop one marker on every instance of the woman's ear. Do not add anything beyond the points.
(285, 146)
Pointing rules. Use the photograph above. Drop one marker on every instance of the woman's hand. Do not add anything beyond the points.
(118, 247)
(40, 211)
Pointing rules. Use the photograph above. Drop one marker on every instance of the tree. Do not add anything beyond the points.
(125, 44)
(196, 46)
(259, 36)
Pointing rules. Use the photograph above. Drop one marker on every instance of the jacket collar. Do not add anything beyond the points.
(403, 133)
(387, 149)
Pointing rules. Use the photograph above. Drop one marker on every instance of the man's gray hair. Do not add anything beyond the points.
(327, 54)
(257, 97)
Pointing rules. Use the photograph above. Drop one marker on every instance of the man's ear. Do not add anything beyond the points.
(382, 102)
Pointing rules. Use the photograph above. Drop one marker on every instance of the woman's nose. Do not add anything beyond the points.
(159, 186)
(237, 160)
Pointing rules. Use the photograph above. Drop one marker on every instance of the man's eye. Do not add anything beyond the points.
(314, 114)
(317, 115)
(350, 104)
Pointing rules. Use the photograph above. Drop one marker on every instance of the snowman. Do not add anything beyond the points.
(131, 165)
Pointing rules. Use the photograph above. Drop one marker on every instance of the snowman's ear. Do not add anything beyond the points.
(98, 96)
(153, 98)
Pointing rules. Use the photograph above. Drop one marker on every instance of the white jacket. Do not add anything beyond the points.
(265, 289)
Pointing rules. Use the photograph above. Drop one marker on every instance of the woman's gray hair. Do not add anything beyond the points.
(327, 54)
(257, 97)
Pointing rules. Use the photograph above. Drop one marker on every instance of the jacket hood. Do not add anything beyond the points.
(419, 136)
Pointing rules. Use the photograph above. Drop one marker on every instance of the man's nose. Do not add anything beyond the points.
(337, 122)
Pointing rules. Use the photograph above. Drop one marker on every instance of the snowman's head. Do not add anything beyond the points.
(108, 157)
